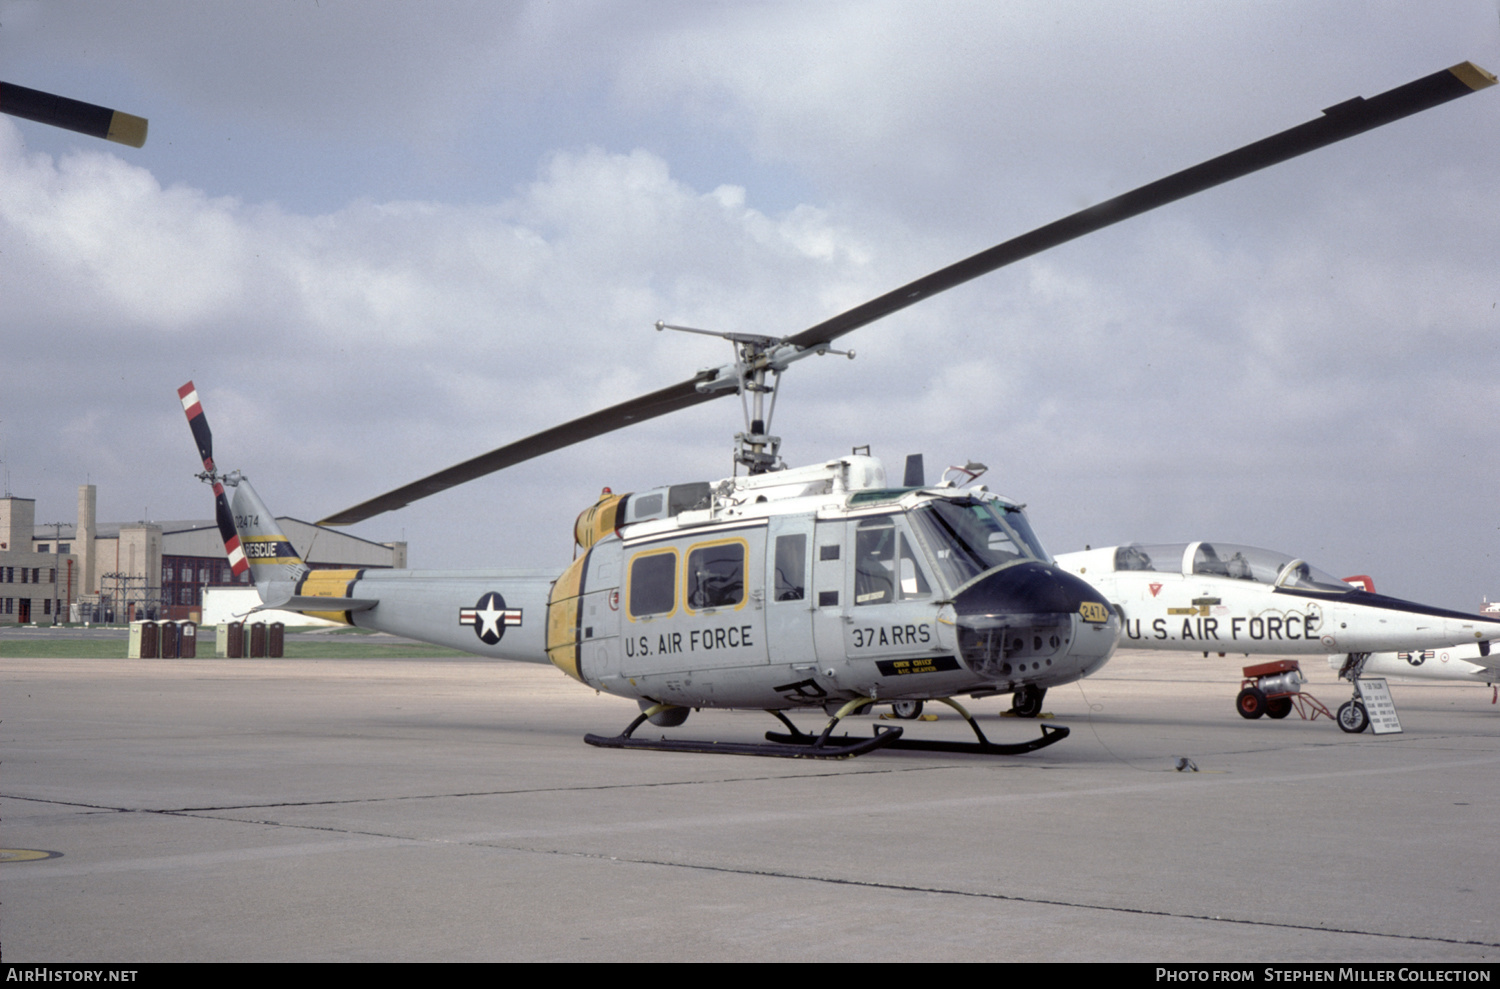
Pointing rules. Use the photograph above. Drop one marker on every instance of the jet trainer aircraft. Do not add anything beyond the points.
(1469, 663)
(1218, 597)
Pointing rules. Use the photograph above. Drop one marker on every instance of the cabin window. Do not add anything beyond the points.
(653, 584)
(791, 567)
(716, 576)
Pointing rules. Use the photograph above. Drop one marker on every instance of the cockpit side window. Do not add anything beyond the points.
(886, 567)
(913, 583)
(875, 561)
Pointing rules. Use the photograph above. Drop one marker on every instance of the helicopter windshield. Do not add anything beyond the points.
(1263, 566)
(968, 536)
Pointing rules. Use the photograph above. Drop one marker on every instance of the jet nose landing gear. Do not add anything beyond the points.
(1353, 718)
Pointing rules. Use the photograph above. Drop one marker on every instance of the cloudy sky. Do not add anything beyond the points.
(385, 237)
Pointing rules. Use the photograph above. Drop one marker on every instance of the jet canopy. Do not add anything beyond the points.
(1204, 559)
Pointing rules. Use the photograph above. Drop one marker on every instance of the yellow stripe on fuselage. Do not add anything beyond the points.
(562, 618)
(329, 584)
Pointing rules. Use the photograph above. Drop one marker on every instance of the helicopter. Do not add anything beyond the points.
(822, 586)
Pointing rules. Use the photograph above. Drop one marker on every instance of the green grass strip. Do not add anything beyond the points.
(50, 648)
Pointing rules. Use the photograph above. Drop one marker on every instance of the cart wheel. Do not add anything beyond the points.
(907, 710)
(1251, 702)
(1353, 718)
(1278, 707)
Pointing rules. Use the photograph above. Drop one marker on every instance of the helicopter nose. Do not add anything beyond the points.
(1036, 621)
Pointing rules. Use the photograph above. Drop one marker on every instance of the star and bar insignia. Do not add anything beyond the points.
(490, 617)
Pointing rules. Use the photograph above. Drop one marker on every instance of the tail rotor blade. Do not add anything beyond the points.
(236, 553)
(198, 422)
(223, 515)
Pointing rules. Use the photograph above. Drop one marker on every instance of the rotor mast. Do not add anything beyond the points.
(755, 355)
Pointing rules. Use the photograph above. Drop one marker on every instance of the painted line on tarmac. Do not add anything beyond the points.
(1036, 901)
(348, 839)
(342, 842)
(886, 805)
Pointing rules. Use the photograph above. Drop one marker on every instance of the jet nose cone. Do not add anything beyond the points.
(1034, 621)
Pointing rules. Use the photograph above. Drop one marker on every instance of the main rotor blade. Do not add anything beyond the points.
(658, 403)
(74, 115)
(1347, 119)
(1338, 122)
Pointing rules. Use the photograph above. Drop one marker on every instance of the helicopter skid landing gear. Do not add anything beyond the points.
(821, 747)
(1050, 734)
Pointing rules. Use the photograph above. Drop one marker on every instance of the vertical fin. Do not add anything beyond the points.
(269, 553)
